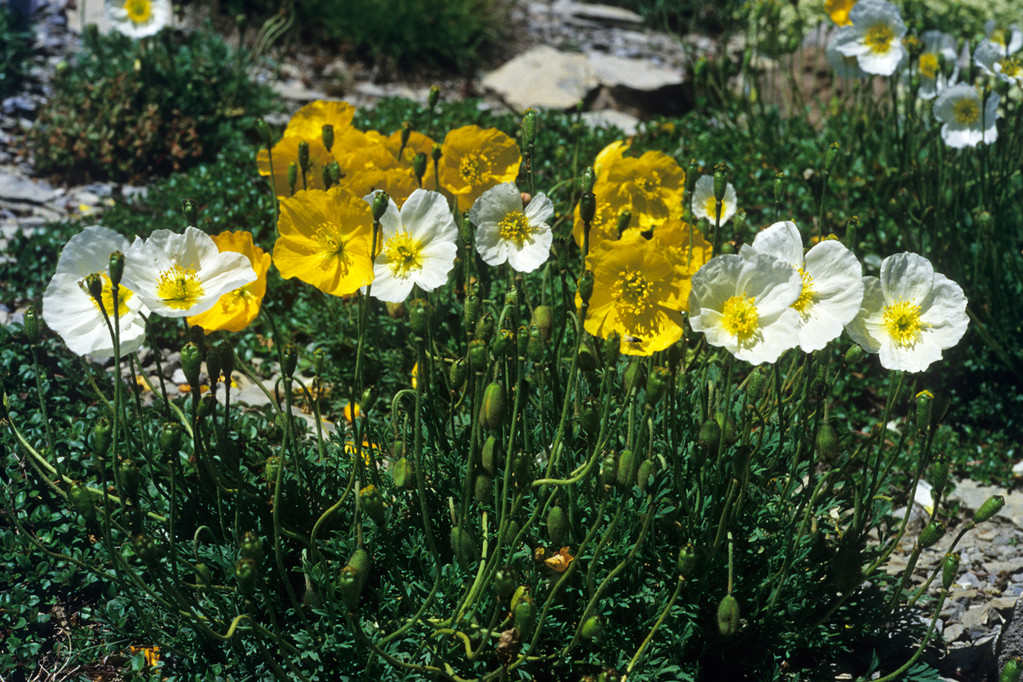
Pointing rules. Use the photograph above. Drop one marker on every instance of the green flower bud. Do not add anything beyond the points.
(471, 311)
(686, 559)
(435, 152)
(558, 527)
(827, 442)
(586, 181)
(406, 133)
(587, 207)
(419, 312)
(587, 357)
(853, 355)
(251, 546)
(32, 325)
(612, 348)
(459, 368)
(102, 436)
(624, 218)
(522, 338)
(130, 477)
(692, 175)
(203, 575)
(589, 417)
(116, 267)
(191, 363)
(525, 617)
(628, 462)
(225, 354)
(190, 210)
(169, 439)
(335, 172)
(657, 384)
(585, 286)
(529, 127)
(831, 156)
(327, 134)
(647, 469)
(478, 355)
(485, 328)
(933, 532)
(402, 474)
(303, 155)
(419, 167)
(710, 434)
(592, 628)
(379, 206)
(207, 406)
(608, 469)
(94, 285)
(292, 177)
(373, 504)
(728, 615)
(504, 583)
(1012, 671)
(720, 184)
(247, 574)
(492, 407)
(325, 174)
(81, 501)
(263, 129)
(992, 506)
(779, 187)
(289, 360)
(146, 548)
(213, 367)
(490, 456)
(850, 232)
(949, 569)
(939, 473)
(924, 403)
(463, 544)
(504, 343)
(633, 377)
(543, 318)
(433, 97)
(536, 347)
(483, 488)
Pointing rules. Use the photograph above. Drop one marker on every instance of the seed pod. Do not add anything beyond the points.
(102, 436)
(592, 628)
(647, 469)
(686, 559)
(402, 473)
(558, 526)
(213, 365)
(924, 403)
(827, 442)
(728, 615)
(292, 177)
(457, 373)
(490, 457)
(522, 339)
(485, 327)
(303, 155)
(525, 616)
(471, 311)
(992, 506)
(949, 569)
(933, 532)
(191, 363)
(463, 543)
(504, 583)
(478, 355)
(608, 469)
(81, 500)
(522, 469)
(504, 342)
(536, 347)
(246, 573)
(633, 377)
(419, 317)
(251, 546)
(327, 135)
(628, 461)
(483, 488)
(373, 504)
(130, 477)
(492, 407)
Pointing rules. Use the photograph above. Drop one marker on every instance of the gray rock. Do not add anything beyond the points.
(295, 91)
(609, 118)
(972, 495)
(19, 188)
(1010, 644)
(542, 77)
(604, 14)
(636, 74)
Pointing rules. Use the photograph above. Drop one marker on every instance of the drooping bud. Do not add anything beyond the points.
(728, 615)
(543, 318)
(419, 167)
(933, 532)
(32, 325)
(585, 286)
(827, 442)
(490, 456)
(657, 384)
(949, 569)
(327, 133)
(992, 506)
(246, 573)
(169, 439)
(710, 434)
(558, 526)
(625, 475)
(191, 363)
(589, 417)
(853, 355)
(492, 407)
(686, 559)
(402, 473)
(289, 360)
(131, 478)
(464, 546)
(81, 500)
(633, 377)
(504, 583)
(529, 127)
(94, 285)
(587, 357)
(592, 628)
(587, 207)
(646, 470)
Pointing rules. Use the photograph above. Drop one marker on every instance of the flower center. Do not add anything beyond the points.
(928, 65)
(902, 322)
(404, 254)
(806, 296)
(123, 295)
(966, 111)
(515, 228)
(998, 36)
(179, 287)
(649, 185)
(740, 317)
(473, 168)
(332, 246)
(631, 292)
(139, 11)
(879, 38)
(1011, 67)
(712, 206)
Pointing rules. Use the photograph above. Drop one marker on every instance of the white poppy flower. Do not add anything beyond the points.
(178, 275)
(508, 232)
(138, 18)
(967, 121)
(71, 311)
(938, 47)
(705, 205)
(1010, 39)
(745, 306)
(910, 314)
(993, 60)
(874, 38)
(832, 281)
(844, 65)
(417, 246)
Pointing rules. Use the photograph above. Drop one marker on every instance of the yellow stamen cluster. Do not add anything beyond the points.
(1011, 67)
(902, 322)
(108, 297)
(806, 296)
(515, 228)
(928, 65)
(631, 293)
(139, 11)
(404, 254)
(711, 206)
(474, 167)
(740, 317)
(179, 287)
(879, 38)
(966, 111)
(332, 247)
(649, 184)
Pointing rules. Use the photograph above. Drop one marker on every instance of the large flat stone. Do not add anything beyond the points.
(19, 188)
(635, 74)
(542, 78)
(604, 14)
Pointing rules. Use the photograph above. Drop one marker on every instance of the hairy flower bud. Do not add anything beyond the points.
(130, 476)
(433, 97)
(419, 167)
(478, 355)
(585, 286)
(592, 628)
(419, 317)
(327, 134)
(949, 569)
(32, 325)
(116, 267)
(485, 328)
(263, 130)
(529, 127)
(458, 371)
(292, 177)
(624, 218)
(657, 384)
(728, 615)
(303, 155)
(587, 207)
(251, 546)
(558, 526)
(924, 404)
(373, 504)
(933, 532)
(169, 439)
(380, 203)
(492, 407)
(191, 363)
(991, 506)
(289, 360)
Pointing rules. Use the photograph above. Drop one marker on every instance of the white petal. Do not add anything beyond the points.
(427, 217)
(496, 203)
(781, 240)
(906, 277)
(863, 328)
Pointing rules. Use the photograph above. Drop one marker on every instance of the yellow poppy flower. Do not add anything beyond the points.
(604, 225)
(473, 160)
(559, 562)
(325, 240)
(285, 153)
(838, 10)
(235, 310)
(399, 183)
(307, 123)
(687, 251)
(610, 155)
(633, 294)
(652, 185)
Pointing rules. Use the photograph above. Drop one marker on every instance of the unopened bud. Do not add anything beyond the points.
(169, 439)
(949, 569)
(492, 407)
(633, 377)
(720, 184)
(328, 135)
(263, 129)
(246, 573)
(419, 166)
(657, 384)
(624, 218)
(191, 363)
(612, 348)
(402, 474)
(924, 403)
(485, 327)
(225, 353)
(130, 477)
(529, 127)
(335, 172)
(373, 504)
(585, 286)
(436, 152)
(292, 177)
(827, 442)
(458, 372)
(116, 269)
(102, 436)
(251, 546)
(831, 156)
(478, 355)
(1012, 671)
(32, 325)
(853, 355)
(692, 175)
(939, 473)
(587, 207)
(380, 203)
(289, 360)
(779, 188)
(419, 317)
(933, 532)
(586, 180)
(992, 506)
(406, 133)
(728, 615)
(535, 345)
(686, 559)
(433, 97)
(303, 155)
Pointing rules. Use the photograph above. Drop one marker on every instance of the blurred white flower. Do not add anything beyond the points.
(967, 121)
(993, 60)
(939, 50)
(832, 281)
(874, 38)
(138, 18)
(705, 204)
(508, 232)
(1010, 38)
(178, 275)
(910, 314)
(71, 311)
